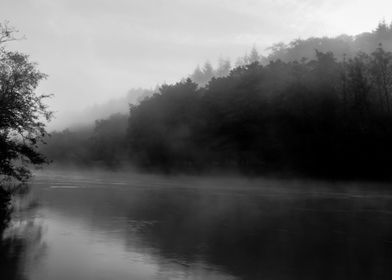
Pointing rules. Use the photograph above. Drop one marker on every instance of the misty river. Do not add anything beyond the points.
(70, 225)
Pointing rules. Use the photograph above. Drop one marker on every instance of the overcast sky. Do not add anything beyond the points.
(94, 50)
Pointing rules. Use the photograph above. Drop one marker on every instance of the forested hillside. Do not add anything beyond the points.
(329, 115)
(342, 46)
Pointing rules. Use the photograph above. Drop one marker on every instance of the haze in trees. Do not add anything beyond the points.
(321, 116)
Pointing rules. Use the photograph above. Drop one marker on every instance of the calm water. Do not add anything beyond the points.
(112, 226)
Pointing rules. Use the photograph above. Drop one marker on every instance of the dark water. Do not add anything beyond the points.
(111, 226)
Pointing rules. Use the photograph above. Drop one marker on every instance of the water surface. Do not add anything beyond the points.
(114, 226)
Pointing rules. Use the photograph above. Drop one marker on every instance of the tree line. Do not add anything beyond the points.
(341, 46)
(321, 116)
(318, 118)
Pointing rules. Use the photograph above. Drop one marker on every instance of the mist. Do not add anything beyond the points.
(94, 52)
(222, 139)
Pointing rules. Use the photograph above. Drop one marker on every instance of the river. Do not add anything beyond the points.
(102, 225)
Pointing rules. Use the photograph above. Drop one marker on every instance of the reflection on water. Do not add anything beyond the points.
(113, 227)
(21, 242)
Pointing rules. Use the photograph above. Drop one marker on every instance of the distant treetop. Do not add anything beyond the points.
(303, 49)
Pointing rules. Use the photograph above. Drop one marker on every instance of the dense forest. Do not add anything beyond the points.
(342, 46)
(319, 107)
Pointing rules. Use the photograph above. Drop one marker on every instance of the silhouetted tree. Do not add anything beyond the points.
(318, 117)
(223, 69)
(197, 76)
(382, 74)
(253, 56)
(340, 46)
(161, 127)
(22, 111)
(109, 140)
(317, 108)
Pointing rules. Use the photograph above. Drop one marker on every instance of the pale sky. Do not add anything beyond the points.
(94, 50)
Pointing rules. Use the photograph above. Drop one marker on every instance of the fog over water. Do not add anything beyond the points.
(195, 139)
(104, 225)
(95, 51)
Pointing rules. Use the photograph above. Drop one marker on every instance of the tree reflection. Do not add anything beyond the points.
(273, 230)
(257, 237)
(18, 234)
